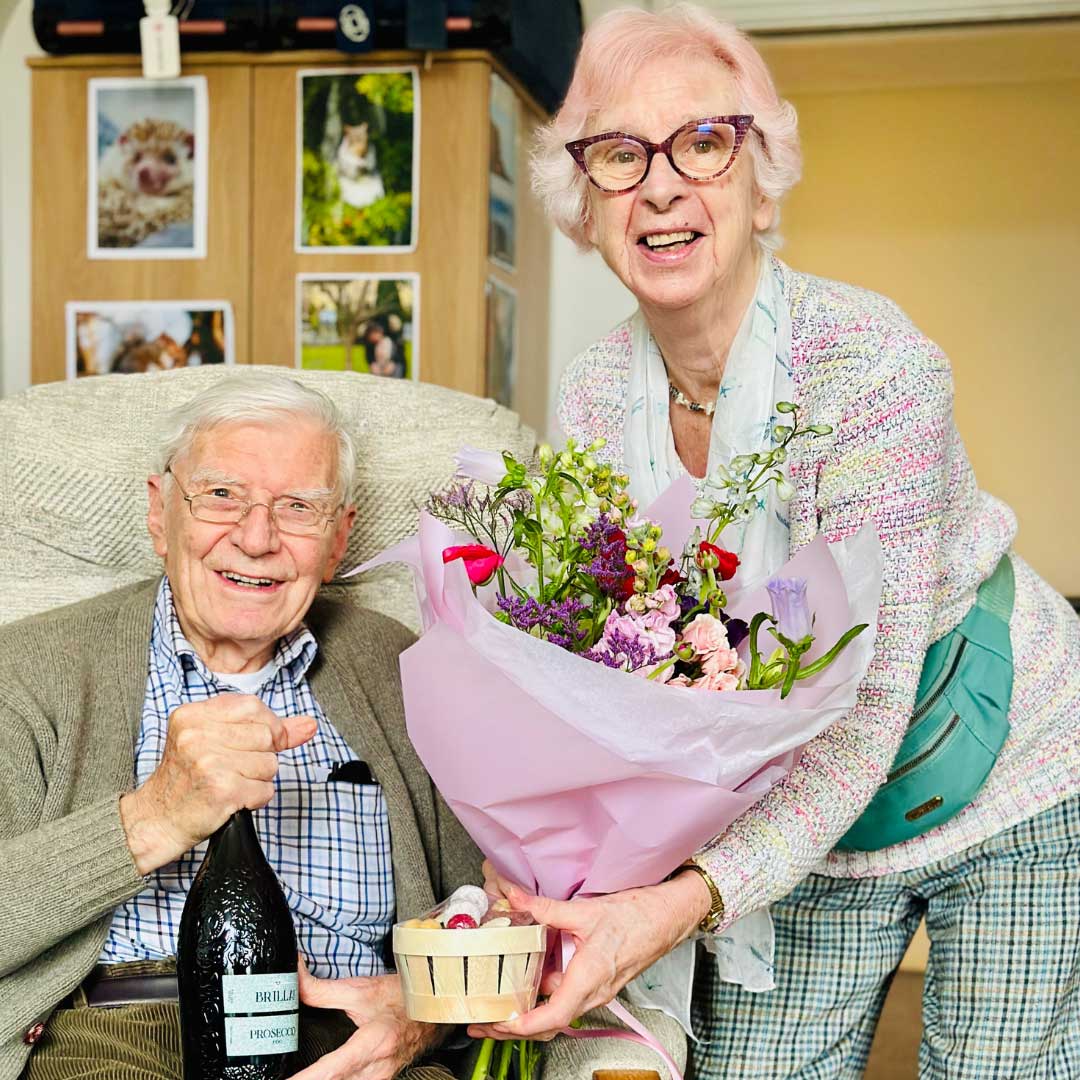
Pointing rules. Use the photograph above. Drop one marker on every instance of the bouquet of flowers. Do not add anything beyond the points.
(598, 580)
(592, 692)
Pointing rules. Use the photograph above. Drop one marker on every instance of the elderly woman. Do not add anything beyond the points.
(669, 157)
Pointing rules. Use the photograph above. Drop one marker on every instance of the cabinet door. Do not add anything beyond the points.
(61, 270)
(450, 255)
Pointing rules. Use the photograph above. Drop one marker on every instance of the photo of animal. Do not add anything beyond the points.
(148, 146)
(359, 322)
(357, 167)
(130, 338)
(146, 183)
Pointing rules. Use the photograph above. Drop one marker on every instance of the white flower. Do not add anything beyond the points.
(784, 490)
(719, 477)
(483, 465)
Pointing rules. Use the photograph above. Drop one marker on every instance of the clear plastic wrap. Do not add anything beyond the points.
(460, 964)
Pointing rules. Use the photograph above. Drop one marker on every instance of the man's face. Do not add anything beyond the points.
(239, 587)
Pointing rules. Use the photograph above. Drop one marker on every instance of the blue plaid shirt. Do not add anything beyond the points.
(328, 842)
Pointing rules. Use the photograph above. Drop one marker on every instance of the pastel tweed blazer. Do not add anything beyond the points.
(895, 458)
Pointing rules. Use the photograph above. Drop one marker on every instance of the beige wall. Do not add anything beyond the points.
(962, 203)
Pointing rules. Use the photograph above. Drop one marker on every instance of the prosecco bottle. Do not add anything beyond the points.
(236, 964)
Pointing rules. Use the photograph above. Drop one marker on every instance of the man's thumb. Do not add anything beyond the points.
(297, 730)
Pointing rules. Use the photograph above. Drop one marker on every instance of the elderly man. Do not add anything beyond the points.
(134, 724)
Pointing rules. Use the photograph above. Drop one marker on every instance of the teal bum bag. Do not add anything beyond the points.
(959, 725)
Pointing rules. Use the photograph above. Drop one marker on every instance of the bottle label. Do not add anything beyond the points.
(276, 993)
(248, 1036)
(275, 1001)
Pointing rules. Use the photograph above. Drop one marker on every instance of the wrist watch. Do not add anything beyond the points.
(714, 916)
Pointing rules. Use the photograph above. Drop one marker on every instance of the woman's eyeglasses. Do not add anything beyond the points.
(700, 150)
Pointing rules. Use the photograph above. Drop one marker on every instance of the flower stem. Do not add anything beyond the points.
(502, 1068)
(483, 1060)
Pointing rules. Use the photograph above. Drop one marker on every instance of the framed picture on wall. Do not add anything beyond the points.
(501, 342)
(147, 159)
(502, 172)
(359, 322)
(134, 336)
(358, 159)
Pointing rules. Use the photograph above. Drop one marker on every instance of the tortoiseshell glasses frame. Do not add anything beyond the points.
(741, 124)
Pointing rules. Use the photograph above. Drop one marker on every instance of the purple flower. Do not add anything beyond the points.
(790, 609)
(556, 621)
(606, 542)
(737, 629)
(634, 642)
(626, 651)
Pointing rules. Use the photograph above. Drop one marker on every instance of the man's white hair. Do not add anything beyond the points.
(255, 397)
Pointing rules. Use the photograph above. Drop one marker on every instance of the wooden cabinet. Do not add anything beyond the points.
(251, 258)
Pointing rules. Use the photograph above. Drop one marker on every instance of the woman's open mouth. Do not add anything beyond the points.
(668, 245)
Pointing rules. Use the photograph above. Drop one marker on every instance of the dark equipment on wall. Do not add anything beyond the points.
(537, 40)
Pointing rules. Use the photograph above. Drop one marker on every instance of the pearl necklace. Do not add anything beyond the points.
(676, 395)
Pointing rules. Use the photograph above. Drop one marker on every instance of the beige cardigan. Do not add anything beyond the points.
(72, 684)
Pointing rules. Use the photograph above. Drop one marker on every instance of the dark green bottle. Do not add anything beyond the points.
(236, 964)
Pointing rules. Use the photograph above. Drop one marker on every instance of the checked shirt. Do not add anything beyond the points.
(329, 842)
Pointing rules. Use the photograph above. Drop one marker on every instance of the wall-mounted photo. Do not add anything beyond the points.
(147, 159)
(132, 337)
(502, 172)
(501, 342)
(358, 173)
(359, 322)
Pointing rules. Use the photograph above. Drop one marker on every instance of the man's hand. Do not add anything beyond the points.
(385, 1040)
(220, 756)
(616, 937)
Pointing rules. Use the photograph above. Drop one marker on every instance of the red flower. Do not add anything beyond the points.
(726, 561)
(671, 575)
(480, 562)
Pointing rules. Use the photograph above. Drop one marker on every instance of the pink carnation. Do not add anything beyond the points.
(720, 661)
(722, 680)
(706, 635)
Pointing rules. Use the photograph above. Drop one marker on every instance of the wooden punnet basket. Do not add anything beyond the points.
(469, 976)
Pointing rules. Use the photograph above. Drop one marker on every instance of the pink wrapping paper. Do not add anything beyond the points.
(574, 778)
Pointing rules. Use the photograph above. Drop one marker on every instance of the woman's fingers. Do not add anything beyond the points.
(569, 915)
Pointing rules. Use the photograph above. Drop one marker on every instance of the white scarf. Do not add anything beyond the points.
(756, 376)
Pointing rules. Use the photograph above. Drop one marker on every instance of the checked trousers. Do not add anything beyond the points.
(1001, 997)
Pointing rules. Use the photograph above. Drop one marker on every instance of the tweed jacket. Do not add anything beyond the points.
(894, 458)
(72, 684)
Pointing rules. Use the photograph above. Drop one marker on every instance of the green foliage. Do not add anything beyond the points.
(395, 161)
(391, 90)
(328, 222)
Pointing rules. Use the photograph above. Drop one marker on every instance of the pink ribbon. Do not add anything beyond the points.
(638, 1033)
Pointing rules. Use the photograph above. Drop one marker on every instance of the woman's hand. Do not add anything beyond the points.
(616, 937)
(385, 1040)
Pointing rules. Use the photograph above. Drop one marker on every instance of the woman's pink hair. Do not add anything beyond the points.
(613, 50)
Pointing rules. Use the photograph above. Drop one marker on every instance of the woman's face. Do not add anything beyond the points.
(721, 214)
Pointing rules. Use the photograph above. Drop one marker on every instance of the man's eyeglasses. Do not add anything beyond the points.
(700, 150)
(219, 506)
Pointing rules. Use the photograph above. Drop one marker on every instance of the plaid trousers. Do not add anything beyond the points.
(1001, 998)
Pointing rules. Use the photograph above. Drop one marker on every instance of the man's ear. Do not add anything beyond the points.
(155, 516)
(341, 541)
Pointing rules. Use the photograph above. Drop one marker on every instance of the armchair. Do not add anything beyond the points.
(74, 458)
